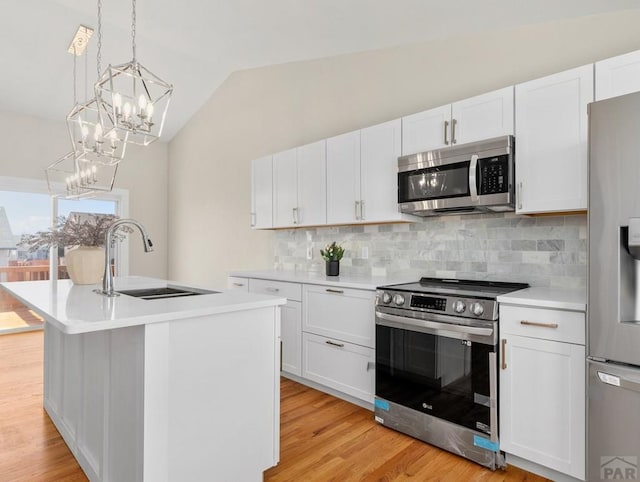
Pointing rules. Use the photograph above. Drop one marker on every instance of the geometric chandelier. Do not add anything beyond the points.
(132, 100)
(88, 135)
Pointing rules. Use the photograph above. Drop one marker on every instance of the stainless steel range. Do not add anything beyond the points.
(436, 365)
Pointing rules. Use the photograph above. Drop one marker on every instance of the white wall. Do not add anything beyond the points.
(29, 145)
(261, 111)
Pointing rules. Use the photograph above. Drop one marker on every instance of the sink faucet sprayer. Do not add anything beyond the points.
(107, 280)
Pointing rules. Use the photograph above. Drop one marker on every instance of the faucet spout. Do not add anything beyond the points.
(107, 280)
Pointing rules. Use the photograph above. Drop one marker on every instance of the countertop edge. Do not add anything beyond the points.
(316, 278)
(559, 299)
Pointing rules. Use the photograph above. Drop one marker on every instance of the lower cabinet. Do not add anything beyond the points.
(343, 366)
(327, 333)
(542, 388)
(291, 334)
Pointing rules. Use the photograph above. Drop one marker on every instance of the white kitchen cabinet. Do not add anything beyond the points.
(542, 387)
(551, 142)
(290, 319)
(340, 365)
(299, 186)
(474, 119)
(618, 75)
(340, 313)
(363, 167)
(343, 182)
(262, 193)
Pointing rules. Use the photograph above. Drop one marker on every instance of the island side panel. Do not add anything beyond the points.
(94, 395)
(221, 383)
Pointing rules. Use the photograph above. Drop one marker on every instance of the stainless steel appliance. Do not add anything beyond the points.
(470, 178)
(436, 367)
(614, 290)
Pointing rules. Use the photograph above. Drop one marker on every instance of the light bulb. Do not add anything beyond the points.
(117, 102)
(94, 169)
(142, 102)
(127, 109)
(85, 131)
(149, 111)
(97, 135)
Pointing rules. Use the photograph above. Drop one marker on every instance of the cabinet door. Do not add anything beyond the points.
(312, 184)
(542, 403)
(380, 147)
(339, 365)
(291, 333)
(340, 313)
(618, 75)
(482, 117)
(426, 130)
(551, 142)
(343, 178)
(262, 193)
(285, 190)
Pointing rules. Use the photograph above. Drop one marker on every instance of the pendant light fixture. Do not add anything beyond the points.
(75, 175)
(88, 135)
(131, 99)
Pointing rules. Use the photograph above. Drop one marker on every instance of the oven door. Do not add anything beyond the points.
(439, 368)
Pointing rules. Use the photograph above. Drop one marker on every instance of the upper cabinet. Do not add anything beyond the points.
(618, 75)
(551, 142)
(262, 193)
(299, 186)
(363, 188)
(474, 119)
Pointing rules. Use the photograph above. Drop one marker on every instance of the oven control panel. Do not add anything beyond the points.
(483, 309)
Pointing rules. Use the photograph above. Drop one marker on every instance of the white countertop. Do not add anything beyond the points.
(77, 309)
(316, 278)
(555, 298)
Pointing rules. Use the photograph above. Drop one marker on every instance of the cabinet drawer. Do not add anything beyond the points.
(342, 366)
(341, 313)
(236, 283)
(543, 323)
(292, 291)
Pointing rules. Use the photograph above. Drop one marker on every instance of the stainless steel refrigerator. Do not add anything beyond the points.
(613, 426)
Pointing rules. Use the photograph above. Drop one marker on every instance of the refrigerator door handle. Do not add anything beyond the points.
(619, 381)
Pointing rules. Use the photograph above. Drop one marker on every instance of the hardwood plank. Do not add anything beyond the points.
(322, 438)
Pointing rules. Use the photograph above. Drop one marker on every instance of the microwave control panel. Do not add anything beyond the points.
(493, 175)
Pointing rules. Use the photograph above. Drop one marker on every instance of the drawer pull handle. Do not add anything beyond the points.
(329, 290)
(536, 323)
(273, 290)
(504, 354)
(238, 284)
(333, 343)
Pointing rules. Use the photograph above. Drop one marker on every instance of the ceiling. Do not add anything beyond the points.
(196, 44)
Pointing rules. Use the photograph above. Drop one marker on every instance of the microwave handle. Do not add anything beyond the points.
(473, 168)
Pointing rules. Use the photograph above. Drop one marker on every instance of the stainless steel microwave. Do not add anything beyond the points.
(469, 178)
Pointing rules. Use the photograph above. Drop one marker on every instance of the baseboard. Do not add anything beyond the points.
(330, 391)
(539, 469)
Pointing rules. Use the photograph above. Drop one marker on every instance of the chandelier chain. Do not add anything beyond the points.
(75, 95)
(133, 28)
(98, 55)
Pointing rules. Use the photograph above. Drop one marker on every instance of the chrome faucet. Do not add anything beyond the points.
(107, 280)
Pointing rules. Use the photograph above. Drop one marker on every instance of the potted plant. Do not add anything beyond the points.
(83, 235)
(332, 254)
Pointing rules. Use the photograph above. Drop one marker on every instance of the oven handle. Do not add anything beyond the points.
(435, 326)
(473, 169)
(493, 396)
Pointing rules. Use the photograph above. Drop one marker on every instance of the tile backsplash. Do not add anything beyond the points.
(542, 251)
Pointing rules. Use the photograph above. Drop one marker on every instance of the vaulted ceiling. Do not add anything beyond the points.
(196, 44)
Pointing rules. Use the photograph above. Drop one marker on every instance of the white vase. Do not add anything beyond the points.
(85, 264)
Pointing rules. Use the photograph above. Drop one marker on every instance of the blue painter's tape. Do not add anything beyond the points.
(485, 443)
(381, 404)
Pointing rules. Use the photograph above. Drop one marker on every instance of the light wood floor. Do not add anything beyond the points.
(322, 438)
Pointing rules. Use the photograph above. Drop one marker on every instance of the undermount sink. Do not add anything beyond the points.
(165, 292)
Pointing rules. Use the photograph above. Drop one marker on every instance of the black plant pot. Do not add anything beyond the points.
(333, 268)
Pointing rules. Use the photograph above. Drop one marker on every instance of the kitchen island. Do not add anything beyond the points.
(158, 390)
